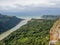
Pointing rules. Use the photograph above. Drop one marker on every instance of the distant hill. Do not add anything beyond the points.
(8, 22)
(51, 17)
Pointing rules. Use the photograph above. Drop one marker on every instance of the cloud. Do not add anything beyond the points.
(25, 3)
(32, 6)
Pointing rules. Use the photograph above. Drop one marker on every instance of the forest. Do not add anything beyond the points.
(35, 32)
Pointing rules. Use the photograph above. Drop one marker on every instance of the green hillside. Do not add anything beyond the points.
(35, 32)
(8, 22)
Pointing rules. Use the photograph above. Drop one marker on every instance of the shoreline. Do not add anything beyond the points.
(5, 34)
(23, 22)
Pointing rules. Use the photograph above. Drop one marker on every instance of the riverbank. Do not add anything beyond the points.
(5, 34)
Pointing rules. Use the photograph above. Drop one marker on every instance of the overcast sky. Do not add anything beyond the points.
(30, 7)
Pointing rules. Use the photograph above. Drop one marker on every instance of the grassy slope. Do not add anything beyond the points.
(36, 32)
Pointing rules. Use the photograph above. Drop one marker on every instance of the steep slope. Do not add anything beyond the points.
(55, 33)
(7, 22)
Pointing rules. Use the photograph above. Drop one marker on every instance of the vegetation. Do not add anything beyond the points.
(35, 32)
(7, 22)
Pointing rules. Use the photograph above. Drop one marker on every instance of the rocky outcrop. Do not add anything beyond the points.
(55, 33)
